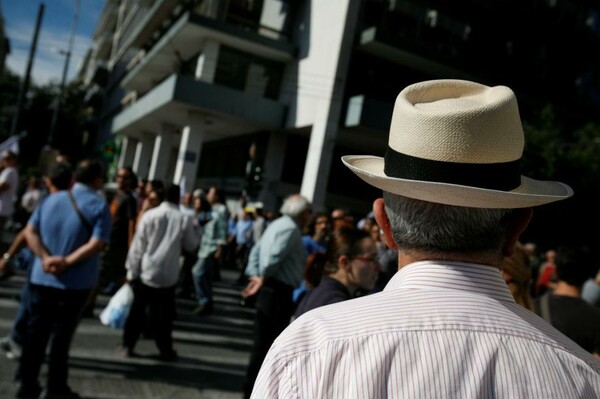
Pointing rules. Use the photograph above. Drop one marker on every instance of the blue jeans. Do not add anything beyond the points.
(52, 315)
(20, 324)
(202, 272)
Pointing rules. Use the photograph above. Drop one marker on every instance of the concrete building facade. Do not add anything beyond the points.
(233, 92)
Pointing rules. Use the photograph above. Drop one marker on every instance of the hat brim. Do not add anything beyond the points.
(530, 193)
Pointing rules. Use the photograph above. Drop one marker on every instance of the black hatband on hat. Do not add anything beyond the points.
(504, 176)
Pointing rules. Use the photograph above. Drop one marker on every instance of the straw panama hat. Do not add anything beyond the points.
(459, 143)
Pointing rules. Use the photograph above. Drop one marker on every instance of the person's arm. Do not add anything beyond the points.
(87, 250)
(131, 230)
(50, 264)
(221, 235)
(255, 281)
(34, 242)
(191, 235)
(132, 219)
(138, 246)
(18, 243)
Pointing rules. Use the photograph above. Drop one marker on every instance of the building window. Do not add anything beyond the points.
(248, 73)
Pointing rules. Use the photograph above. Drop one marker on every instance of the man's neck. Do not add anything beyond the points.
(408, 257)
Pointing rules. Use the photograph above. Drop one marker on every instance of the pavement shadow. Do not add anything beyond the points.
(185, 372)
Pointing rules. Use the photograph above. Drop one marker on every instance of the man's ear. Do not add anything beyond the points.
(384, 223)
(516, 226)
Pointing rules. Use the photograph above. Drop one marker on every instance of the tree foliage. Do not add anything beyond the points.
(70, 134)
(560, 151)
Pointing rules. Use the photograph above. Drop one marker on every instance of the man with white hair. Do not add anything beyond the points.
(445, 326)
(275, 268)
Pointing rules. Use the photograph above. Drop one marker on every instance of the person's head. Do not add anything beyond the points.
(375, 231)
(90, 172)
(198, 193)
(9, 158)
(318, 226)
(416, 227)
(575, 265)
(173, 193)
(154, 185)
(187, 199)
(155, 197)
(551, 255)
(516, 272)
(60, 176)
(126, 179)
(451, 179)
(141, 187)
(298, 208)
(200, 202)
(340, 219)
(351, 258)
(367, 224)
(32, 182)
(530, 249)
(214, 195)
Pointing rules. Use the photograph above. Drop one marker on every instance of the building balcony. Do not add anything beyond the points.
(184, 41)
(366, 123)
(226, 112)
(410, 54)
(108, 20)
(103, 46)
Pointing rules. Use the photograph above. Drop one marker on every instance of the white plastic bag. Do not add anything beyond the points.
(115, 313)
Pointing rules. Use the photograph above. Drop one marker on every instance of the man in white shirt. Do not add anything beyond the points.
(153, 263)
(446, 325)
(9, 182)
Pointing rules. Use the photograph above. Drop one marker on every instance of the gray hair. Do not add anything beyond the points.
(294, 205)
(439, 228)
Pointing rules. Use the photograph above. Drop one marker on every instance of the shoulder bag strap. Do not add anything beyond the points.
(85, 222)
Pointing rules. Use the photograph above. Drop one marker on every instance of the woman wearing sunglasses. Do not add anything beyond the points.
(349, 265)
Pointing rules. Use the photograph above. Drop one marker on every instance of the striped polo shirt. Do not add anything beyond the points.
(437, 330)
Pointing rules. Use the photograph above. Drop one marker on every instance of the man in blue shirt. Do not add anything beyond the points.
(67, 234)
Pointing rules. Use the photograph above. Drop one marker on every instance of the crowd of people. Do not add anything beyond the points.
(421, 297)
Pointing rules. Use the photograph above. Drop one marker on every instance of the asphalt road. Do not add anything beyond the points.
(213, 352)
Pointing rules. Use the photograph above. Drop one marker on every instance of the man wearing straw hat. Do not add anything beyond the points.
(454, 204)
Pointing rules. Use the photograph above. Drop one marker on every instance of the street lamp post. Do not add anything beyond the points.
(67, 55)
(25, 84)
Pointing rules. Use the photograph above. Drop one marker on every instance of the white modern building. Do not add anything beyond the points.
(218, 92)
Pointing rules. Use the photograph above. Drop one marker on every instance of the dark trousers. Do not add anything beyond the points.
(160, 303)
(274, 308)
(51, 313)
(186, 280)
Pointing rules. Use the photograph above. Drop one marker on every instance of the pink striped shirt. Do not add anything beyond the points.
(438, 330)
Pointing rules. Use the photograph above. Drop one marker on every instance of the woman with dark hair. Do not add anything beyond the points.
(349, 264)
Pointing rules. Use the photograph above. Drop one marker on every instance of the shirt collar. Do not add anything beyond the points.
(167, 204)
(457, 276)
(82, 187)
